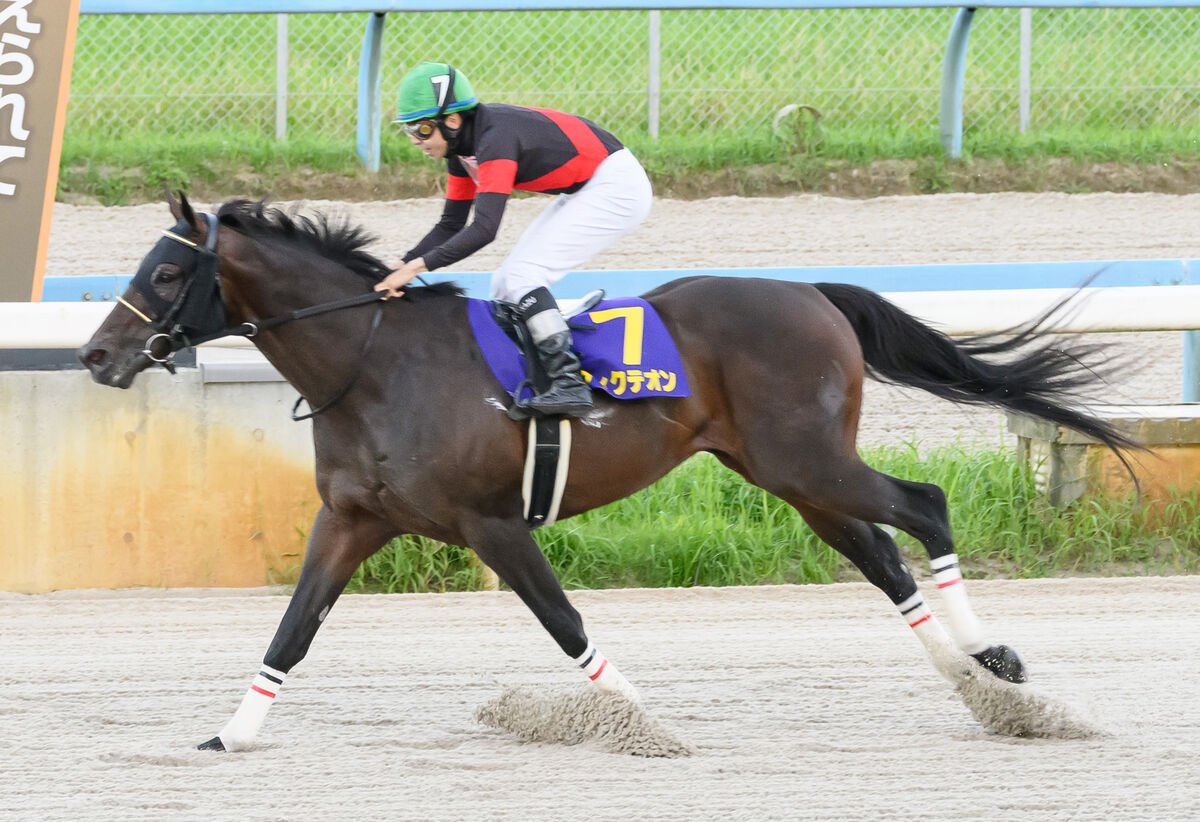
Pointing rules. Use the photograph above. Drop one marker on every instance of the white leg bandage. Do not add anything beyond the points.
(964, 625)
(935, 639)
(605, 675)
(239, 733)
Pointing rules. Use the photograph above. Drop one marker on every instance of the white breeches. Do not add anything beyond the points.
(576, 227)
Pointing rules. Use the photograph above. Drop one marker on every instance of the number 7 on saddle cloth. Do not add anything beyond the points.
(623, 346)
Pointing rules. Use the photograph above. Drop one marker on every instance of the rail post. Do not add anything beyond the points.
(369, 103)
(954, 69)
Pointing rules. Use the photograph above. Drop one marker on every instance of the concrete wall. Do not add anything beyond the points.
(1069, 465)
(173, 482)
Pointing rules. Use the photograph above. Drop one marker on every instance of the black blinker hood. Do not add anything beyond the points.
(198, 308)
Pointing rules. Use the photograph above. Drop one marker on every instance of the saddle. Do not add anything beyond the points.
(548, 456)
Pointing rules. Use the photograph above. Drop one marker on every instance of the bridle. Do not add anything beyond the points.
(170, 333)
(197, 314)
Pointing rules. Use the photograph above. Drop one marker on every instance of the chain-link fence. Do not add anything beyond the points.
(723, 69)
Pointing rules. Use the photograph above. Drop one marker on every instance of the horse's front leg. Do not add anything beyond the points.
(336, 546)
(508, 549)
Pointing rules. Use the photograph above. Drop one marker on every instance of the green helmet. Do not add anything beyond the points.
(432, 90)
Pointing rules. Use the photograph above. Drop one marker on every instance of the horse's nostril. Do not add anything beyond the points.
(95, 356)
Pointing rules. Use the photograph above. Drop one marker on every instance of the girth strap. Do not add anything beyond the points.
(547, 461)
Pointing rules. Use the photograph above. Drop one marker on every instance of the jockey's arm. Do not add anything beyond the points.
(490, 198)
(460, 195)
(489, 210)
(493, 183)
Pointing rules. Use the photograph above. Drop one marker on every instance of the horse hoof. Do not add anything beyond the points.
(1003, 662)
(214, 744)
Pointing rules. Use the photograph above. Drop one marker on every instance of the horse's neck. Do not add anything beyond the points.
(315, 352)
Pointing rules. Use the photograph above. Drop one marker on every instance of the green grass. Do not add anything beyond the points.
(134, 168)
(703, 525)
(191, 97)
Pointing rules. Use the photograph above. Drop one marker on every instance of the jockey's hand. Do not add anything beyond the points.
(400, 277)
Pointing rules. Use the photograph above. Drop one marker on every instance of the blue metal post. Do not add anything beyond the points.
(1191, 366)
(954, 69)
(369, 102)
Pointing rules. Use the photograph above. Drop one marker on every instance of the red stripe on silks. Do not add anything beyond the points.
(591, 153)
(603, 665)
(578, 132)
(262, 691)
(575, 170)
(497, 176)
(951, 582)
(460, 188)
(919, 621)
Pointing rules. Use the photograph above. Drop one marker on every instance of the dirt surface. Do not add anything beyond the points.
(802, 230)
(799, 703)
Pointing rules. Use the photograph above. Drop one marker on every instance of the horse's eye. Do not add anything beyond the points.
(166, 273)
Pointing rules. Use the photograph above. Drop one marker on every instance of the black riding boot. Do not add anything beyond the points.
(568, 393)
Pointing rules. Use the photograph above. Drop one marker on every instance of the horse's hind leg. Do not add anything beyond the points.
(336, 546)
(875, 554)
(508, 549)
(836, 488)
(923, 514)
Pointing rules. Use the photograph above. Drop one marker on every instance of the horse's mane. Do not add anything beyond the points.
(337, 240)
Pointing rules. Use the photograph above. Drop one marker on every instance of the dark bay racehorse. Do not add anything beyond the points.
(412, 439)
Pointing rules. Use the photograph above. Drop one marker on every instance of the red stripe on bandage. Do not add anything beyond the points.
(603, 665)
(262, 691)
(951, 582)
(919, 621)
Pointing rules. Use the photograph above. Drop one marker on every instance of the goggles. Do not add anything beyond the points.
(421, 129)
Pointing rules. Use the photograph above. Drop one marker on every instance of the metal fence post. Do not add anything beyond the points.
(1191, 366)
(369, 103)
(281, 75)
(655, 85)
(954, 69)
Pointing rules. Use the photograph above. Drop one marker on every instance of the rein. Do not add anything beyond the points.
(177, 339)
(361, 299)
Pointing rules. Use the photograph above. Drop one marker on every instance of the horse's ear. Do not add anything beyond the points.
(181, 209)
(172, 203)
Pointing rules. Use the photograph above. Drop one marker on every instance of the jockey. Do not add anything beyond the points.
(492, 149)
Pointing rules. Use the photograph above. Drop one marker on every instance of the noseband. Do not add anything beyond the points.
(202, 288)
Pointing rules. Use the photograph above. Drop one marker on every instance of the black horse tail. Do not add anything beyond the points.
(1042, 378)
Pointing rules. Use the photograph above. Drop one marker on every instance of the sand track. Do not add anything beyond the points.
(805, 702)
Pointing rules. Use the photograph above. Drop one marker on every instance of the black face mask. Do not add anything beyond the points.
(203, 310)
(193, 306)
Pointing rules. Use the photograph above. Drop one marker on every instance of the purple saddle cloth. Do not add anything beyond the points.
(623, 346)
